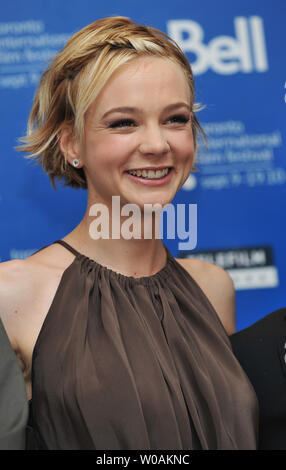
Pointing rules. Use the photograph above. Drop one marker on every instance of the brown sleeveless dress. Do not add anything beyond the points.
(127, 363)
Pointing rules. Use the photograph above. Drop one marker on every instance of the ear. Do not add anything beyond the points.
(69, 145)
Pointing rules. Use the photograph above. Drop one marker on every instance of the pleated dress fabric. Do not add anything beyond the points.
(125, 363)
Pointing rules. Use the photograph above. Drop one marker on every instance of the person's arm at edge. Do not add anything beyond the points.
(217, 286)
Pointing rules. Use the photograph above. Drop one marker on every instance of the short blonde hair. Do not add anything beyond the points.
(74, 79)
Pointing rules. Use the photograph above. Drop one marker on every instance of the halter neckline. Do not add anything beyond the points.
(162, 273)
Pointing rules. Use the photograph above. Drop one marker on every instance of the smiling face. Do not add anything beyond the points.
(138, 141)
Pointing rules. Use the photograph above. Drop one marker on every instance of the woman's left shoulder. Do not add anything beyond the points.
(217, 285)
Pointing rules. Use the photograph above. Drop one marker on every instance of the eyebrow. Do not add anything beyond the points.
(129, 109)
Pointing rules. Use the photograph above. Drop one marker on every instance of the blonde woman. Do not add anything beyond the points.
(122, 346)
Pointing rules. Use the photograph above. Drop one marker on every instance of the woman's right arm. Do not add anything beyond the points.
(10, 293)
(16, 307)
(13, 397)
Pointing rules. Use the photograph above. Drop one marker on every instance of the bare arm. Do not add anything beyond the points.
(27, 288)
(217, 286)
(14, 292)
(13, 398)
(9, 299)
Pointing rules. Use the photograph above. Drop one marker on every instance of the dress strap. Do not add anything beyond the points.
(68, 247)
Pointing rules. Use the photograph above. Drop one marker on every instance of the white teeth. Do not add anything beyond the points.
(151, 174)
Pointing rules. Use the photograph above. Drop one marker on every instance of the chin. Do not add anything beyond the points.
(163, 201)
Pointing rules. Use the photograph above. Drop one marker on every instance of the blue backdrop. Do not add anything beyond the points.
(236, 50)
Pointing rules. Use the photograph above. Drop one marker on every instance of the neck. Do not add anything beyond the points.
(135, 257)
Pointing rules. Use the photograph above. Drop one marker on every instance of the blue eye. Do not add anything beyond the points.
(122, 123)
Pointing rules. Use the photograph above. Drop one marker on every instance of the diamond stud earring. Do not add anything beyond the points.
(75, 162)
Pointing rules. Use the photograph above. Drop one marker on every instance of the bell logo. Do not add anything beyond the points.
(226, 55)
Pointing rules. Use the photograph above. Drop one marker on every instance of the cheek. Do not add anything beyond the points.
(99, 155)
(109, 152)
(186, 149)
(187, 159)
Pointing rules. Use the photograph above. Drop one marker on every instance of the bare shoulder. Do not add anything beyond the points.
(217, 286)
(22, 282)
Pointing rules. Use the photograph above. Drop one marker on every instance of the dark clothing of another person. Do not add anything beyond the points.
(13, 398)
(261, 350)
(137, 363)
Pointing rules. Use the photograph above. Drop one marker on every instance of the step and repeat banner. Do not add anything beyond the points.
(237, 51)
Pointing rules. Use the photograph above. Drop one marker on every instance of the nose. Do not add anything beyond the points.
(153, 142)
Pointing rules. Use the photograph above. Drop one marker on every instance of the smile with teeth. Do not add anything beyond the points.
(150, 174)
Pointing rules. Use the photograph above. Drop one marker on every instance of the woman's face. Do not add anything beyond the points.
(141, 120)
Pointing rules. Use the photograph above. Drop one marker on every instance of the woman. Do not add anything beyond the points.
(131, 354)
